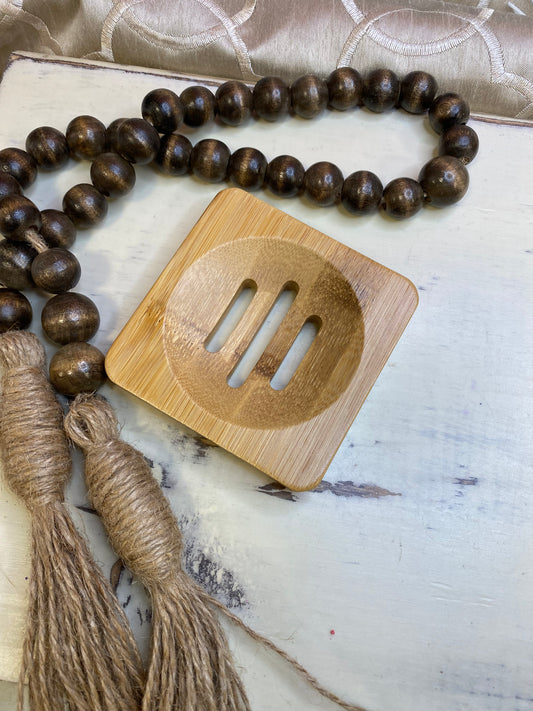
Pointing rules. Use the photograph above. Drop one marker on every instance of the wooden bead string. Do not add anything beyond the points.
(79, 652)
(190, 666)
(71, 319)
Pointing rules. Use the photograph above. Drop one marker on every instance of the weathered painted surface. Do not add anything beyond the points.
(416, 549)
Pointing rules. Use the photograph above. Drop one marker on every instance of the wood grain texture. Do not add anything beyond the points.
(361, 306)
(415, 549)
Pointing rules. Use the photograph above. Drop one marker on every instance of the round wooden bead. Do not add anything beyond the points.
(247, 168)
(55, 270)
(20, 165)
(77, 368)
(57, 229)
(174, 155)
(15, 264)
(111, 135)
(111, 175)
(309, 96)
(285, 176)
(403, 198)
(70, 317)
(209, 160)
(234, 103)
(444, 179)
(15, 310)
(446, 111)
(417, 91)
(198, 105)
(381, 89)
(459, 141)
(323, 183)
(17, 215)
(163, 109)
(345, 88)
(272, 98)
(86, 137)
(84, 205)
(48, 147)
(137, 141)
(9, 185)
(361, 192)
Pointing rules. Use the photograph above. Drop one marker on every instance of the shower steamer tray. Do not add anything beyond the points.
(249, 274)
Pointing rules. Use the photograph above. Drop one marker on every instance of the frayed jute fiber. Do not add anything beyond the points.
(79, 652)
(190, 667)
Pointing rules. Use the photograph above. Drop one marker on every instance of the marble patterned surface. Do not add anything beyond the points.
(404, 581)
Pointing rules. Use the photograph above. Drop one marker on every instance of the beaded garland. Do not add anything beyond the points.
(35, 251)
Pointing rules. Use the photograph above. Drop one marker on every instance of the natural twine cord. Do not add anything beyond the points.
(190, 667)
(79, 652)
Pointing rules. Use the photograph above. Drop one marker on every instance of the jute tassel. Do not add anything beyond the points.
(78, 652)
(190, 667)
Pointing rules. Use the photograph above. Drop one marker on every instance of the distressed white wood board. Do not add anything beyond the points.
(416, 551)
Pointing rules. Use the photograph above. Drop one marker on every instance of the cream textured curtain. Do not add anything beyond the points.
(482, 49)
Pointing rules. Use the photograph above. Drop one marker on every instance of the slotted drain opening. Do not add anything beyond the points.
(296, 353)
(232, 315)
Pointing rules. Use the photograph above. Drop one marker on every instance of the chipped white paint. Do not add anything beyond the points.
(429, 592)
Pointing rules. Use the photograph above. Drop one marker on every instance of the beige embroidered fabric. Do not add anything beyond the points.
(483, 49)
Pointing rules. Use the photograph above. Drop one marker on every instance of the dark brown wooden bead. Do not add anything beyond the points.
(459, 141)
(272, 98)
(111, 135)
(57, 229)
(56, 270)
(17, 215)
(9, 185)
(444, 179)
(174, 155)
(199, 105)
(381, 89)
(163, 109)
(48, 147)
(137, 141)
(285, 176)
(209, 160)
(15, 264)
(446, 111)
(77, 368)
(417, 91)
(345, 88)
(361, 192)
(234, 103)
(309, 96)
(84, 205)
(111, 175)
(70, 317)
(247, 168)
(15, 310)
(20, 165)
(323, 183)
(86, 137)
(403, 198)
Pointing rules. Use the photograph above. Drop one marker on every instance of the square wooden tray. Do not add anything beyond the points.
(359, 307)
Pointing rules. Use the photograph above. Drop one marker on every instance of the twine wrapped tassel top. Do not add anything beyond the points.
(78, 652)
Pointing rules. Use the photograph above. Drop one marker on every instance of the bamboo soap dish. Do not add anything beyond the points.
(264, 336)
